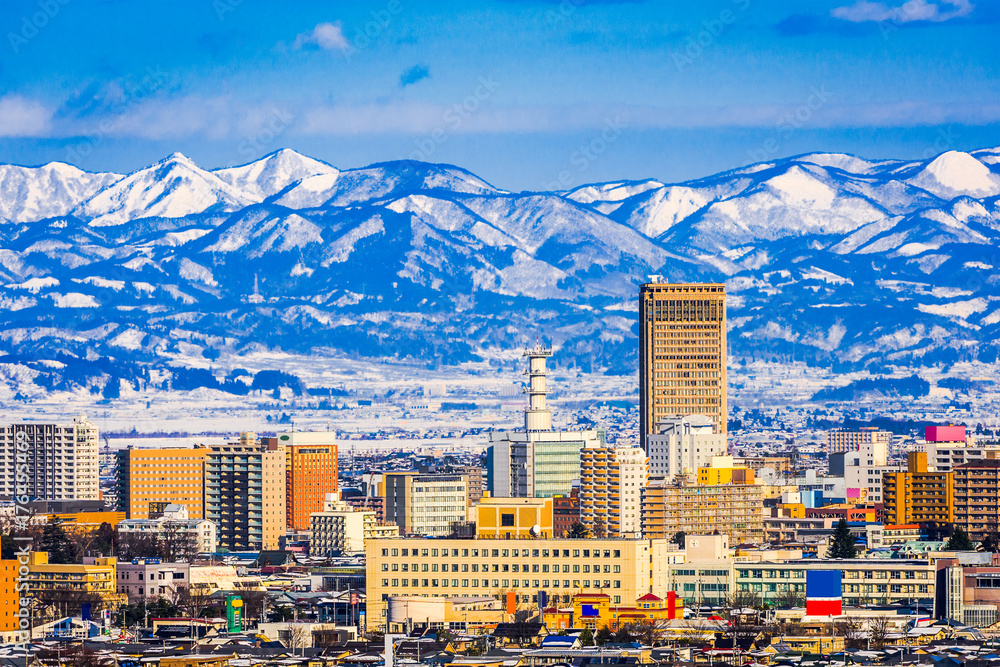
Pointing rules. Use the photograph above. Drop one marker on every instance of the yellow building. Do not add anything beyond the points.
(670, 507)
(96, 575)
(8, 599)
(595, 611)
(512, 518)
(83, 521)
(493, 567)
(917, 495)
(160, 477)
(682, 353)
(722, 471)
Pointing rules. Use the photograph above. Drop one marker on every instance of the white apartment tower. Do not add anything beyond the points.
(682, 445)
(60, 461)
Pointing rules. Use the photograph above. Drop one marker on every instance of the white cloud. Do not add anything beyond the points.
(328, 36)
(914, 10)
(21, 117)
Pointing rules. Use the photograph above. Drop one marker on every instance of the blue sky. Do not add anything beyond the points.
(528, 94)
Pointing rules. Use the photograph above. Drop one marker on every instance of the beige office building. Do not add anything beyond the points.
(733, 508)
(682, 353)
(425, 504)
(561, 567)
(245, 493)
(611, 484)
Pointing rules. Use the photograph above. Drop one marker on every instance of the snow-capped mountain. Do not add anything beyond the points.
(828, 258)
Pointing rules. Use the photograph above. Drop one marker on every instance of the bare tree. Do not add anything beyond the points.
(850, 630)
(299, 637)
(878, 631)
(255, 601)
(195, 599)
(177, 542)
(649, 631)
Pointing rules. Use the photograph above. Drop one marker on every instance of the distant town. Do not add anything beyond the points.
(681, 531)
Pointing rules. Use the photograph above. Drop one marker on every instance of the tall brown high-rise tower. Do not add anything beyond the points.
(682, 353)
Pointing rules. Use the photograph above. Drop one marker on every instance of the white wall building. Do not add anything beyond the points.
(61, 461)
(339, 529)
(863, 469)
(175, 520)
(683, 445)
(150, 578)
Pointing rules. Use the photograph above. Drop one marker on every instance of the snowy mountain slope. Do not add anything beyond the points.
(828, 258)
(34, 193)
(172, 188)
(275, 172)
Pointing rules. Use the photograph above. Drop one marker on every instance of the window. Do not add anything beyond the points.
(507, 519)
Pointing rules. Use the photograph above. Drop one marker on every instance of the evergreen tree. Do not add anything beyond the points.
(678, 539)
(578, 531)
(842, 544)
(959, 541)
(61, 549)
(603, 636)
(586, 637)
(8, 547)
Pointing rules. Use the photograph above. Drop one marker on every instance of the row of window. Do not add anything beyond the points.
(505, 553)
(498, 567)
(502, 583)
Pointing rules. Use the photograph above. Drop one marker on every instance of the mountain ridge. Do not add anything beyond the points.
(175, 262)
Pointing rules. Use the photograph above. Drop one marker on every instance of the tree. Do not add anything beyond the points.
(255, 601)
(61, 549)
(878, 631)
(299, 637)
(678, 539)
(648, 632)
(850, 630)
(177, 542)
(600, 528)
(959, 541)
(623, 635)
(991, 539)
(137, 545)
(578, 531)
(195, 599)
(8, 547)
(103, 539)
(603, 636)
(586, 637)
(842, 542)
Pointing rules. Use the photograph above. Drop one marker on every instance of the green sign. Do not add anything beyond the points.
(234, 613)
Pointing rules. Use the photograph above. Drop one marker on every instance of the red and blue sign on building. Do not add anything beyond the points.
(824, 592)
